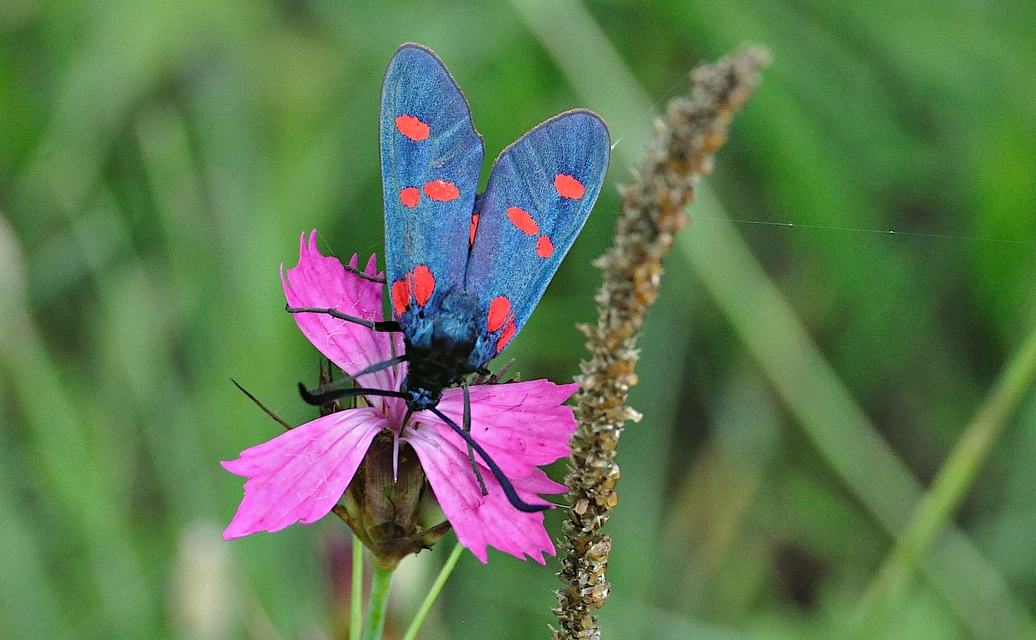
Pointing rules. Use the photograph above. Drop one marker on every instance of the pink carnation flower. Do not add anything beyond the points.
(300, 475)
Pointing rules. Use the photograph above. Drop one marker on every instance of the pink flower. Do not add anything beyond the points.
(300, 475)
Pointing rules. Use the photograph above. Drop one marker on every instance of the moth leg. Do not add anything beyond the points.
(327, 378)
(484, 376)
(318, 399)
(364, 274)
(467, 429)
(342, 384)
(384, 326)
(498, 473)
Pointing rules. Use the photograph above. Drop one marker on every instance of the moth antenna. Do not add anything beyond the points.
(505, 483)
(383, 326)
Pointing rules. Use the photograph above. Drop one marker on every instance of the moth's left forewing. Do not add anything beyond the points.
(540, 192)
(431, 156)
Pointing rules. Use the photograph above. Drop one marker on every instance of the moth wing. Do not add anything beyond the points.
(431, 157)
(541, 190)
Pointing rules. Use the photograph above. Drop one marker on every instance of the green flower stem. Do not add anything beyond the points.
(433, 593)
(356, 597)
(950, 486)
(378, 605)
(827, 414)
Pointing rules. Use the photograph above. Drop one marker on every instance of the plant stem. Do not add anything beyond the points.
(378, 605)
(652, 212)
(356, 597)
(433, 593)
(950, 485)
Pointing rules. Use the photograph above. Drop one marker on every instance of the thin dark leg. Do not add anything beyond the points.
(467, 428)
(384, 326)
(505, 483)
(327, 378)
(364, 274)
(342, 384)
(319, 399)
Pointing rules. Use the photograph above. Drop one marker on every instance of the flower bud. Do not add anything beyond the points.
(385, 503)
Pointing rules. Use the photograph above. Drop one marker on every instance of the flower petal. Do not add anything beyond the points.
(300, 475)
(482, 520)
(322, 282)
(521, 425)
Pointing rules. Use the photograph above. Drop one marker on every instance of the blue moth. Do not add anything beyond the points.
(464, 269)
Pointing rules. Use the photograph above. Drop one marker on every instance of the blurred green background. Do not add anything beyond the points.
(159, 160)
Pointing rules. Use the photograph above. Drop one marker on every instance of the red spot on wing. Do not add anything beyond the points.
(400, 295)
(441, 190)
(412, 127)
(568, 187)
(544, 247)
(520, 218)
(474, 228)
(424, 284)
(506, 336)
(410, 196)
(499, 309)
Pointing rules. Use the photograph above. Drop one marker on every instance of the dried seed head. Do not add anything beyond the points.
(652, 212)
